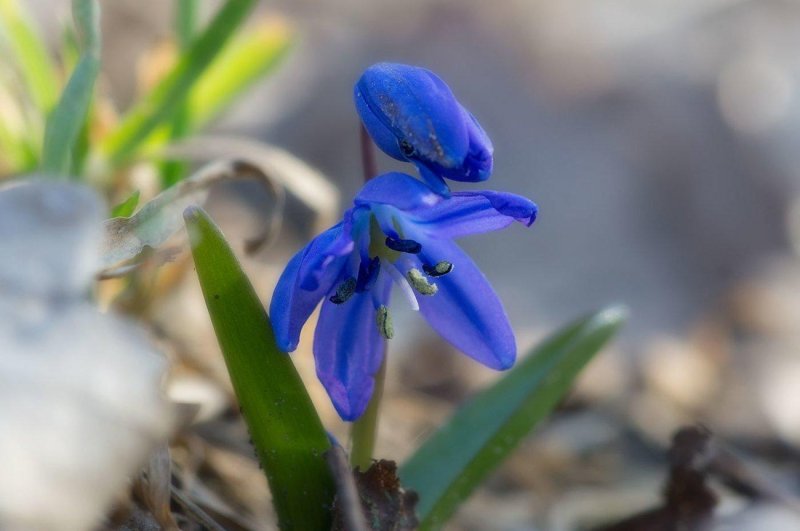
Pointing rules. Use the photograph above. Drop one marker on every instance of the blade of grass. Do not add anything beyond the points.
(478, 437)
(69, 116)
(285, 429)
(185, 25)
(164, 101)
(32, 59)
(246, 60)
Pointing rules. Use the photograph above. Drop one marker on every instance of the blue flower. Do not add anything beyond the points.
(398, 232)
(413, 115)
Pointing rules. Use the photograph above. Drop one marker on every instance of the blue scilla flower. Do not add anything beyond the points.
(398, 232)
(413, 115)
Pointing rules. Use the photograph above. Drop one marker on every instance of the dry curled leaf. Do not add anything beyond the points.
(162, 216)
(301, 180)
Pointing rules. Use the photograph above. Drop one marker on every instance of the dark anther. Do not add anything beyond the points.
(406, 148)
(404, 246)
(368, 274)
(438, 270)
(344, 291)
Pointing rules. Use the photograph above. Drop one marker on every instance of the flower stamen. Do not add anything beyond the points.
(384, 321)
(440, 269)
(420, 283)
(344, 291)
(403, 246)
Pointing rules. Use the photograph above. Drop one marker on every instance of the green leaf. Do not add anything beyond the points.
(127, 207)
(160, 105)
(31, 55)
(479, 436)
(285, 429)
(64, 125)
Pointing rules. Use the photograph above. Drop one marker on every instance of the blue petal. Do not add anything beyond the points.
(474, 167)
(348, 349)
(473, 212)
(479, 161)
(291, 304)
(466, 311)
(380, 132)
(433, 178)
(397, 189)
(327, 248)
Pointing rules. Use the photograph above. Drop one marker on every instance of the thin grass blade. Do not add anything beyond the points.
(246, 60)
(32, 59)
(185, 25)
(161, 104)
(62, 132)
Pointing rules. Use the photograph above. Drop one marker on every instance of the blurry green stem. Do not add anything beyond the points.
(185, 22)
(185, 27)
(365, 428)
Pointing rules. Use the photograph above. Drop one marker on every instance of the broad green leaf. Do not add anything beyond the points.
(127, 207)
(160, 105)
(479, 436)
(31, 56)
(69, 116)
(284, 427)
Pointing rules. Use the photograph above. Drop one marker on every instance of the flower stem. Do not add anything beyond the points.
(364, 430)
(368, 162)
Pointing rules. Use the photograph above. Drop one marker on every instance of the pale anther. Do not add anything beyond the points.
(420, 283)
(384, 321)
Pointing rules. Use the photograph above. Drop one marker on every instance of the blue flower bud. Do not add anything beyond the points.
(413, 115)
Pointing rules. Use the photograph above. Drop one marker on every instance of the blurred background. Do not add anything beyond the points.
(660, 141)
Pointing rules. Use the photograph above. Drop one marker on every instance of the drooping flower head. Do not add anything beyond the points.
(413, 116)
(398, 232)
